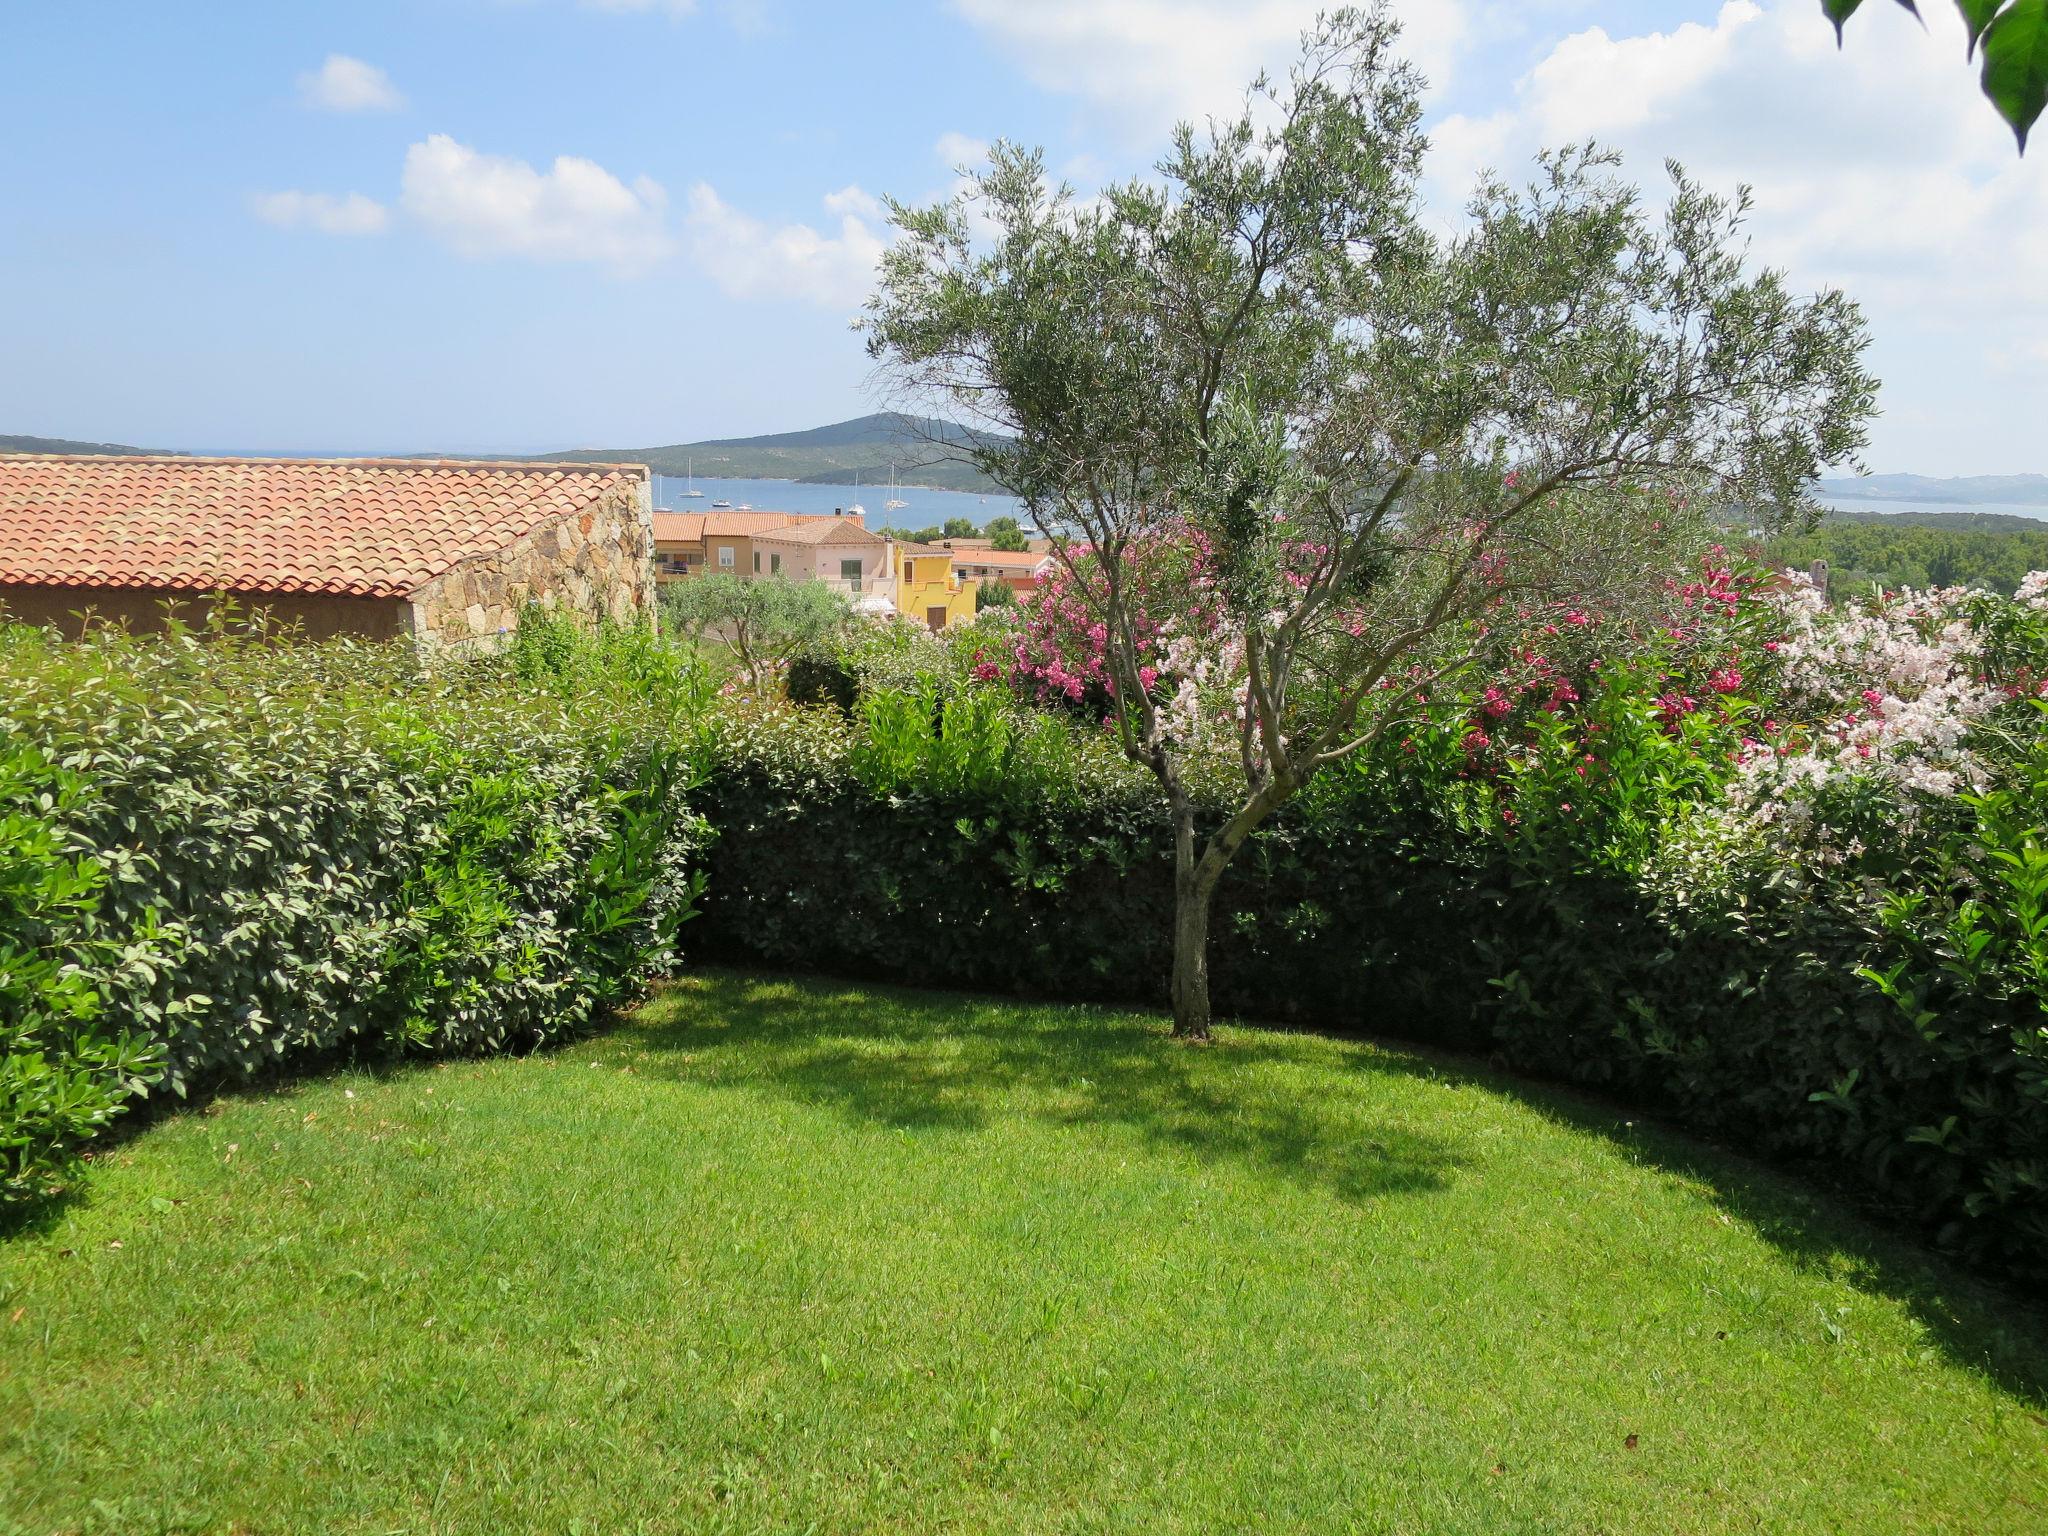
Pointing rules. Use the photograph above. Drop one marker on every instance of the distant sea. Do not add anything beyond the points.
(923, 509)
(1885, 504)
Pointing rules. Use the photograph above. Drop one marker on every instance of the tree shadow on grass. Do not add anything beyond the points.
(1823, 1226)
(952, 1062)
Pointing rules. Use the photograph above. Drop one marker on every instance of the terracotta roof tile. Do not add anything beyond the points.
(821, 530)
(678, 527)
(689, 527)
(734, 525)
(354, 527)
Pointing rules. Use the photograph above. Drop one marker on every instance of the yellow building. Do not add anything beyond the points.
(926, 586)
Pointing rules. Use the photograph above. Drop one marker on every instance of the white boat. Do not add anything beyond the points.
(745, 506)
(690, 478)
(718, 504)
(895, 503)
(854, 508)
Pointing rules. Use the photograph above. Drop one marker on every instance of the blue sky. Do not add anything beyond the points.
(525, 224)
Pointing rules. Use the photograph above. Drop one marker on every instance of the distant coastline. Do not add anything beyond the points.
(1947, 501)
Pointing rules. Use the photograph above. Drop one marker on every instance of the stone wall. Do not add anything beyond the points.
(598, 563)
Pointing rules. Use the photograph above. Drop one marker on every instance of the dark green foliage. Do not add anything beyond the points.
(940, 846)
(64, 1071)
(263, 854)
(822, 677)
(1875, 552)
(1006, 534)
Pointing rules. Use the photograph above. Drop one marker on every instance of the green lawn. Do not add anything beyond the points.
(791, 1256)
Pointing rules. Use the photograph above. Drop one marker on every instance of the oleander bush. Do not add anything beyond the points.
(228, 855)
(1778, 873)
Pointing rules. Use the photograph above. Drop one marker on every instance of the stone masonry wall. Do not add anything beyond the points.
(598, 563)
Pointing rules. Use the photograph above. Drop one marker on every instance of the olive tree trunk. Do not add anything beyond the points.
(1194, 895)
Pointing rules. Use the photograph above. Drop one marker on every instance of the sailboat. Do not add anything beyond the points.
(895, 503)
(690, 478)
(856, 509)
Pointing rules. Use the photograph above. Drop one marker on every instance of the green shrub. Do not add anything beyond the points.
(1578, 915)
(306, 849)
(822, 677)
(64, 1071)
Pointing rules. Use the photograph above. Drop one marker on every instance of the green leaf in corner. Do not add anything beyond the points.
(1839, 12)
(1977, 16)
(2016, 64)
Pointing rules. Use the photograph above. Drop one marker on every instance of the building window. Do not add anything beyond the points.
(757, 562)
(849, 572)
(775, 565)
(725, 557)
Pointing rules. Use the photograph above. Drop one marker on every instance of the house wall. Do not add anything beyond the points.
(814, 562)
(742, 547)
(598, 563)
(925, 583)
(1022, 578)
(143, 610)
(689, 552)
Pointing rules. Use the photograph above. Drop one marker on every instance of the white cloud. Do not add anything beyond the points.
(353, 214)
(1147, 64)
(343, 84)
(1879, 168)
(749, 259)
(494, 205)
(961, 151)
(857, 202)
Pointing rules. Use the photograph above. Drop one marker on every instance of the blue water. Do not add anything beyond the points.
(925, 509)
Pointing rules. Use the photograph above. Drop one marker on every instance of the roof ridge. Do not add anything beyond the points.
(523, 466)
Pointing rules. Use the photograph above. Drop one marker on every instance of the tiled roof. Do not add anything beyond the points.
(737, 525)
(678, 527)
(1015, 560)
(690, 527)
(821, 530)
(353, 527)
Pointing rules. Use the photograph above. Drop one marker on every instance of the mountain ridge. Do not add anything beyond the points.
(1963, 490)
(68, 447)
(923, 451)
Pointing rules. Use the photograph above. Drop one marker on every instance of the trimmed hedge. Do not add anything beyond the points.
(223, 858)
(247, 855)
(1897, 1042)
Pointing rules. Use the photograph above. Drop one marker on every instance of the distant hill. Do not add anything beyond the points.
(1965, 490)
(1946, 522)
(923, 450)
(10, 444)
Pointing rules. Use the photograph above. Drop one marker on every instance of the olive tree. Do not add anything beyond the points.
(1350, 446)
(764, 622)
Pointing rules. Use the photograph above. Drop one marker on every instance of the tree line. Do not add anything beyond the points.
(1866, 554)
